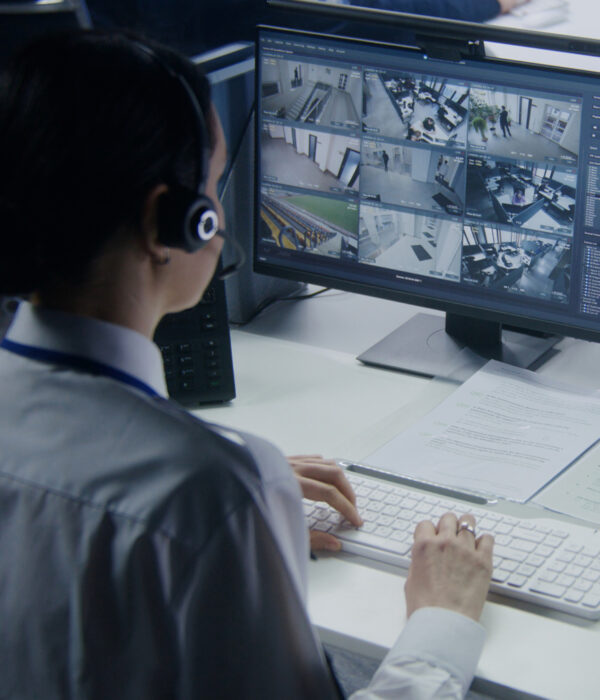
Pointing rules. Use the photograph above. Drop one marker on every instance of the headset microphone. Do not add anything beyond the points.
(233, 267)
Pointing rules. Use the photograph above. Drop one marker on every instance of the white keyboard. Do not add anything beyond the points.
(543, 561)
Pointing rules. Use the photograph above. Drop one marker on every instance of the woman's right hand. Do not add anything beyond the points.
(451, 568)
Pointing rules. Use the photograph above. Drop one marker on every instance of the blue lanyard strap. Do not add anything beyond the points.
(76, 362)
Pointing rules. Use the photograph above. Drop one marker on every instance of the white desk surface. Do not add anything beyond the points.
(299, 384)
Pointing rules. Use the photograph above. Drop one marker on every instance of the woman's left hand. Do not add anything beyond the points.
(323, 480)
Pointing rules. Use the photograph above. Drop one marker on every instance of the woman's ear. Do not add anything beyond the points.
(149, 225)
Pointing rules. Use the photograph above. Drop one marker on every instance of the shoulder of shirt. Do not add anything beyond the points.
(147, 460)
(194, 467)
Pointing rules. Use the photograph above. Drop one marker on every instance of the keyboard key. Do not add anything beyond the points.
(551, 589)
(582, 560)
(424, 508)
(527, 525)
(384, 531)
(535, 560)
(529, 535)
(392, 499)
(565, 580)
(510, 565)
(574, 570)
(508, 553)
(566, 557)
(522, 545)
(365, 538)
(487, 524)
(573, 547)
(591, 600)
(399, 535)
(376, 506)
(591, 575)
(503, 539)
(401, 524)
(503, 528)
(501, 575)
(516, 580)
(526, 570)
(573, 596)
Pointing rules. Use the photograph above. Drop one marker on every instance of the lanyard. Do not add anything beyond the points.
(76, 362)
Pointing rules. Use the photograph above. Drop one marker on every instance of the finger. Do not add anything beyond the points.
(424, 529)
(485, 544)
(447, 524)
(463, 533)
(324, 541)
(329, 473)
(329, 493)
(301, 461)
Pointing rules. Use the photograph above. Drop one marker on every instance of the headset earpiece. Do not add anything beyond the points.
(186, 219)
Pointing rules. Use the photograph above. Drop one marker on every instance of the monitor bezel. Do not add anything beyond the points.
(440, 28)
(505, 319)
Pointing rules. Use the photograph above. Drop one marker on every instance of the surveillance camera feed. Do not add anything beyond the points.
(456, 181)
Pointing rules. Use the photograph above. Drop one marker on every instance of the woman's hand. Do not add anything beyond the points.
(451, 567)
(323, 480)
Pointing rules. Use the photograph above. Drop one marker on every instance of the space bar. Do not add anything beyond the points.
(373, 541)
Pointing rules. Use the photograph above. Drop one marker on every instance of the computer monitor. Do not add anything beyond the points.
(471, 186)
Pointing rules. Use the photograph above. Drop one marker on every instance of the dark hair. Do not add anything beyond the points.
(89, 124)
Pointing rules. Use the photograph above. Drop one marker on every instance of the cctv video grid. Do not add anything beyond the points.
(388, 168)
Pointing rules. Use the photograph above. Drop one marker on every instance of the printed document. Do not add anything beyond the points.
(506, 432)
(576, 492)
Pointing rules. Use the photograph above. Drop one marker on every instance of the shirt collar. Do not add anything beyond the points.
(118, 347)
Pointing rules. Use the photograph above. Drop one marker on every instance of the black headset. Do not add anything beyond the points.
(187, 218)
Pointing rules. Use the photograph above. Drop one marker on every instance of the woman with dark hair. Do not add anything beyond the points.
(145, 553)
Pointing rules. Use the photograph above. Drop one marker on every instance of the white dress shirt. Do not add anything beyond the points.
(218, 513)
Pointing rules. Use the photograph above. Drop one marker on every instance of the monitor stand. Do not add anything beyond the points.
(455, 347)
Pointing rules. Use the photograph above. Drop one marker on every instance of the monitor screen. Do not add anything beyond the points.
(470, 186)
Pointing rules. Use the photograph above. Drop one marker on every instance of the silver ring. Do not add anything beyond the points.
(466, 526)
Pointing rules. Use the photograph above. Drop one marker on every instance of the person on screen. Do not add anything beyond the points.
(192, 26)
(386, 159)
(519, 197)
(147, 553)
(505, 122)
